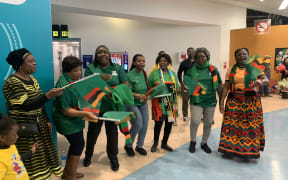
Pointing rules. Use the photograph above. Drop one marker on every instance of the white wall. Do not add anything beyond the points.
(172, 38)
(139, 36)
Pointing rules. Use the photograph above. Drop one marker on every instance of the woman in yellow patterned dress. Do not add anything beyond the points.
(25, 103)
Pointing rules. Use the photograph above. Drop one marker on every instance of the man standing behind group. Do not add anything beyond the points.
(184, 66)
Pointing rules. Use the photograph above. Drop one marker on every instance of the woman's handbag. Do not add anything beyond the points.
(28, 129)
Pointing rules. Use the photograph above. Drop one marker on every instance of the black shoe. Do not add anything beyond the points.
(87, 161)
(114, 165)
(227, 156)
(141, 151)
(206, 148)
(166, 147)
(154, 147)
(192, 147)
(129, 150)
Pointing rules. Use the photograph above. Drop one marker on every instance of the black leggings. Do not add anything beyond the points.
(76, 143)
(167, 130)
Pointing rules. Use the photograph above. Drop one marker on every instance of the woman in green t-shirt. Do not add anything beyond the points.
(139, 85)
(165, 108)
(67, 116)
(207, 81)
(114, 75)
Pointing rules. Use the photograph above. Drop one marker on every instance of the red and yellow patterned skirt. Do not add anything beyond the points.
(242, 132)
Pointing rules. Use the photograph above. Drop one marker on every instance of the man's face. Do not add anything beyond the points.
(190, 52)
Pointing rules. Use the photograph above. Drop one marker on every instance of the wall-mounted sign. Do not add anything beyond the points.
(55, 31)
(87, 59)
(262, 25)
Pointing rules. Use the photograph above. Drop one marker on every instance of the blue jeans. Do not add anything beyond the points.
(265, 89)
(140, 124)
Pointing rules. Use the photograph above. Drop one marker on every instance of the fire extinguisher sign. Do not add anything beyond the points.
(225, 65)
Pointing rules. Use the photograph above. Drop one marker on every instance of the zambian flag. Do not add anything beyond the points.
(91, 90)
(158, 90)
(195, 88)
(123, 124)
(254, 67)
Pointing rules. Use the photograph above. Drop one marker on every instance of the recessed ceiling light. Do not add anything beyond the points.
(283, 5)
(261, 0)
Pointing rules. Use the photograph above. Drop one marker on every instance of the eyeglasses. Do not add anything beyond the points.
(100, 51)
(198, 57)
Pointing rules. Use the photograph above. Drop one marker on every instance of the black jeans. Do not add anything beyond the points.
(94, 130)
(167, 130)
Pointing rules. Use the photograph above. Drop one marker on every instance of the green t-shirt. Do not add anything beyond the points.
(137, 84)
(66, 125)
(154, 78)
(205, 78)
(118, 77)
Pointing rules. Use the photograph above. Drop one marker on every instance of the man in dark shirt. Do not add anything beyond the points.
(184, 66)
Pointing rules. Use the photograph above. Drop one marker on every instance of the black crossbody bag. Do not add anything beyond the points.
(28, 129)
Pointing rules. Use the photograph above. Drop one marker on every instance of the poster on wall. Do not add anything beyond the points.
(120, 58)
(280, 55)
(116, 58)
(181, 56)
(26, 24)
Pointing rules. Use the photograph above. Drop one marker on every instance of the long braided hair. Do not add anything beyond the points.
(133, 66)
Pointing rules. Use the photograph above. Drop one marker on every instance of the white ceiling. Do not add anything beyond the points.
(270, 6)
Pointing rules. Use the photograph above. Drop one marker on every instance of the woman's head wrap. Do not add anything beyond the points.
(16, 58)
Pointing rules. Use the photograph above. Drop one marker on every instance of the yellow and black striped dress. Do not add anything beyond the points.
(44, 161)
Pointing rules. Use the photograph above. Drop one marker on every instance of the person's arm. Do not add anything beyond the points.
(126, 83)
(224, 93)
(179, 73)
(220, 85)
(76, 113)
(219, 90)
(177, 88)
(29, 105)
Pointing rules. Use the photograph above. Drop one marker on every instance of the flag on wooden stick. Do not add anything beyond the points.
(254, 67)
(91, 90)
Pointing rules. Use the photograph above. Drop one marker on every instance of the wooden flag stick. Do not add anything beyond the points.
(160, 96)
(87, 77)
(100, 118)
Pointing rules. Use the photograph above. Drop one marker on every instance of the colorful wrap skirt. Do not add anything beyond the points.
(242, 132)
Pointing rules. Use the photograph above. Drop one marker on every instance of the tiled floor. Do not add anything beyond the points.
(183, 165)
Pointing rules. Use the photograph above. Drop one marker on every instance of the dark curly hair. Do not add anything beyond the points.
(6, 125)
(70, 62)
(166, 56)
